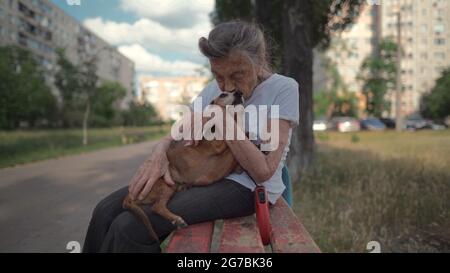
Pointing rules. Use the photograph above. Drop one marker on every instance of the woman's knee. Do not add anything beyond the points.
(127, 225)
(110, 206)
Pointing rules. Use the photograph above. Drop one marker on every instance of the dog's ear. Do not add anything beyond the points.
(212, 102)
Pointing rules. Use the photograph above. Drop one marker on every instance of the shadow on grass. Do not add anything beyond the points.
(349, 198)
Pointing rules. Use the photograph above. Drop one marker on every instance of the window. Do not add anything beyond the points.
(13, 20)
(439, 28)
(439, 55)
(23, 39)
(439, 41)
(423, 28)
(353, 55)
(33, 44)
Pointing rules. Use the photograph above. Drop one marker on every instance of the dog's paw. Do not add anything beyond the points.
(180, 223)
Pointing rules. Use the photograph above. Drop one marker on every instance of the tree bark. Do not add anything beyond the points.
(85, 123)
(298, 64)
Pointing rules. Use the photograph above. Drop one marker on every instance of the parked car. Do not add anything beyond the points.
(345, 124)
(320, 125)
(372, 124)
(437, 126)
(388, 122)
(416, 123)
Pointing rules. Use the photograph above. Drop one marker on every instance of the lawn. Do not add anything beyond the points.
(19, 147)
(389, 187)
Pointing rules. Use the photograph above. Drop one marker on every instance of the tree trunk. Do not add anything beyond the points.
(85, 123)
(268, 14)
(298, 64)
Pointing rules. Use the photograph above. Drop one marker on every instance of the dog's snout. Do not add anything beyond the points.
(238, 98)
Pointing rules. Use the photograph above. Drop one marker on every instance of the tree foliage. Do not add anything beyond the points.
(335, 99)
(106, 104)
(378, 74)
(140, 115)
(68, 83)
(24, 96)
(83, 93)
(436, 104)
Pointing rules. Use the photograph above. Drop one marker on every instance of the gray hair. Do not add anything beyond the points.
(236, 35)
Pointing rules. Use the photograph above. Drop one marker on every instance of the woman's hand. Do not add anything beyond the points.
(155, 167)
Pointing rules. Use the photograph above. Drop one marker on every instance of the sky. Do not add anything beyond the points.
(159, 36)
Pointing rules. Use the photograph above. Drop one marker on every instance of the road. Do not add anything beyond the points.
(45, 205)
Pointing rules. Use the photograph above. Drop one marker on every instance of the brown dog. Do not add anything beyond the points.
(199, 165)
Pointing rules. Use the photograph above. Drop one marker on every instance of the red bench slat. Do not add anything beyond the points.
(193, 239)
(240, 235)
(288, 234)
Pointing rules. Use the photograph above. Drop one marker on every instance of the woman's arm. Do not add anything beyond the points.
(156, 166)
(259, 166)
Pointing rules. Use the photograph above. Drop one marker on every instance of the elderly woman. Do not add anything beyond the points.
(239, 61)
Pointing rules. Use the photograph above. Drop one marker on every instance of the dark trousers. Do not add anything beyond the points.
(113, 229)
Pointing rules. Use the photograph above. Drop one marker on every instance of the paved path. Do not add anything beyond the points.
(45, 205)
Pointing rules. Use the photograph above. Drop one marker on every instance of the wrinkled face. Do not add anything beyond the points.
(235, 72)
(229, 98)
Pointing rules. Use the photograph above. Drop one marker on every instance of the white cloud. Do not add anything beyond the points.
(171, 13)
(150, 63)
(152, 35)
(165, 28)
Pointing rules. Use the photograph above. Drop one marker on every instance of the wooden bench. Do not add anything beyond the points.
(241, 235)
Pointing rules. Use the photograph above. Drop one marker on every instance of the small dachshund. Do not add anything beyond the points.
(200, 165)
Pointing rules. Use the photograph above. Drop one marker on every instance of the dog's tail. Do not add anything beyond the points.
(140, 213)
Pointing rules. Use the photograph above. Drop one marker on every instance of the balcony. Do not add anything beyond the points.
(26, 11)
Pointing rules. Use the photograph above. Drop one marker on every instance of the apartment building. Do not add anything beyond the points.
(42, 27)
(165, 93)
(350, 47)
(425, 27)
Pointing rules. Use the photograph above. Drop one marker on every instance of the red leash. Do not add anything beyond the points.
(262, 214)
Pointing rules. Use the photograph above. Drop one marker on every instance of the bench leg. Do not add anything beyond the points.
(287, 194)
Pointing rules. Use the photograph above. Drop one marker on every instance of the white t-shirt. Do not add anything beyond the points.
(276, 90)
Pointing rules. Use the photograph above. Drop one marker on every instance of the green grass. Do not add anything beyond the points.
(387, 187)
(19, 147)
